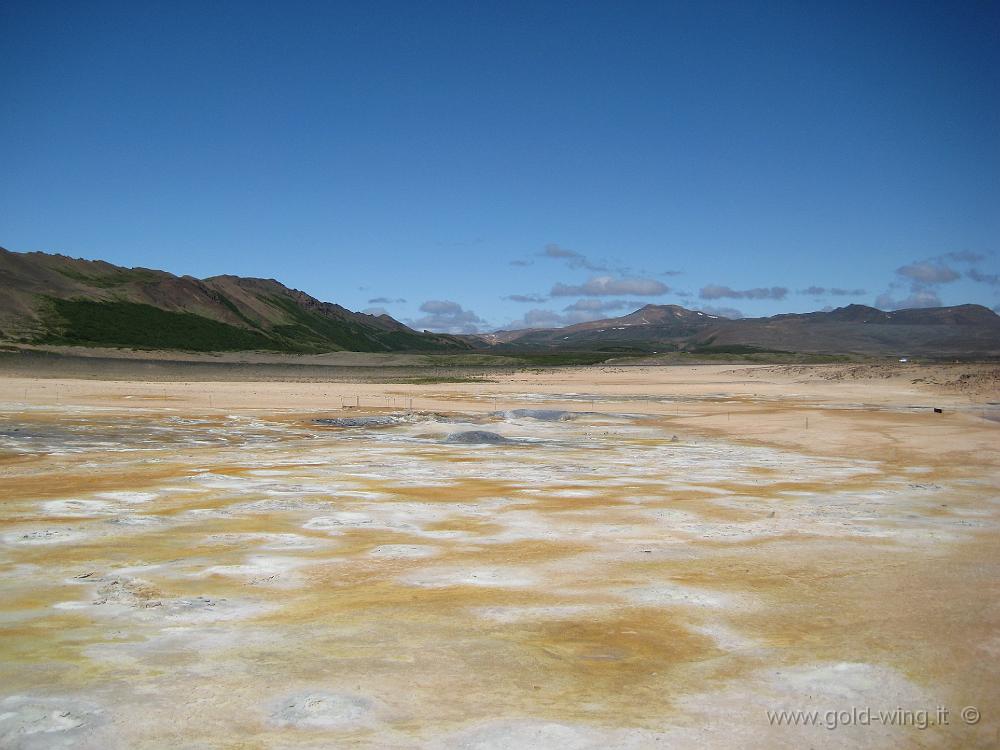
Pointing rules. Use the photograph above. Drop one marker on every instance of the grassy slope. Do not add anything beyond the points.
(313, 329)
(140, 326)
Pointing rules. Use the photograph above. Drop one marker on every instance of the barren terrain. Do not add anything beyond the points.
(593, 557)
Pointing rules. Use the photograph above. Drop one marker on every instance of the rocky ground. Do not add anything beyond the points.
(980, 380)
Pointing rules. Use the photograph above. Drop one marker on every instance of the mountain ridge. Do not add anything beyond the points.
(52, 298)
(55, 299)
(959, 330)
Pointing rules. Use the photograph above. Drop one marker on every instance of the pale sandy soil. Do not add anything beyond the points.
(201, 565)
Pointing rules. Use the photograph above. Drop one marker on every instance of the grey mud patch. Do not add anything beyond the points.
(41, 723)
(478, 437)
(118, 596)
(322, 710)
(542, 415)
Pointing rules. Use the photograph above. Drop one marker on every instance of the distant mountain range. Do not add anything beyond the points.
(962, 330)
(53, 299)
(58, 300)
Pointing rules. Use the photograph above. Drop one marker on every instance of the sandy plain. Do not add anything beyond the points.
(647, 557)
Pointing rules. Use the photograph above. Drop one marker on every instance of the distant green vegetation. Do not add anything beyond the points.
(114, 278)
(735, 349)
(402, 341)
(313, 330)
(93, 323)
(224, 300)
(139, 326)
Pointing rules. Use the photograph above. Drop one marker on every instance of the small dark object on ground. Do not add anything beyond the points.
(938, 411)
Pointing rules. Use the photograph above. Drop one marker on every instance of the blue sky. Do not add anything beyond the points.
(512, 163)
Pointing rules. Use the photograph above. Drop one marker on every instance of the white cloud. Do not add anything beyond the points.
(926, 272)
(984, 278)
(923, 276)
(447, 317)
(581, 311)
(964, 256)
(600, 286)
(820, 291)
(600, 305)
(572, 257)
(723, 312)
(552, 250)
(715, 291)
(536, 298)
(538, 318)
(918, 297)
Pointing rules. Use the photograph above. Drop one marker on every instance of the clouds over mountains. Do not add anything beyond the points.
(578, 312)
(613, 287)
(445, 316)
(925, 277)
(723, 312)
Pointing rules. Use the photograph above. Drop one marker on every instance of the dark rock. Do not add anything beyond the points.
(477, 437)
